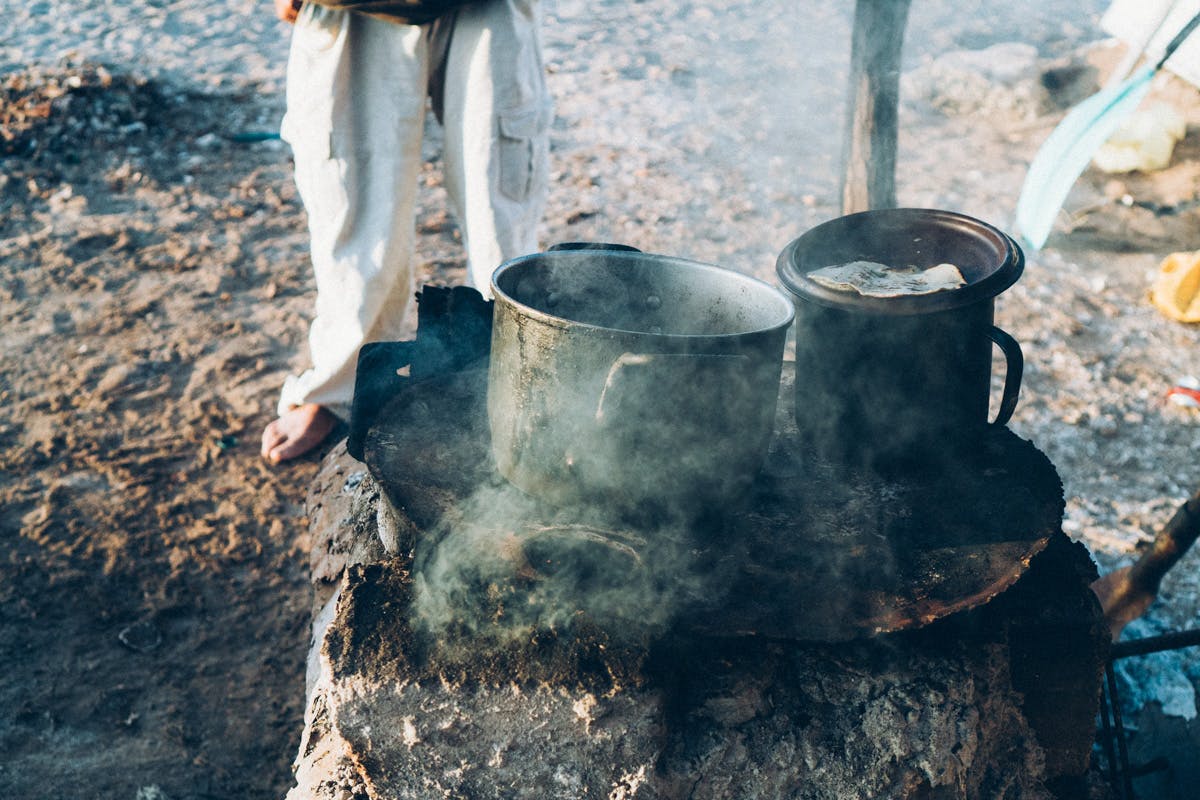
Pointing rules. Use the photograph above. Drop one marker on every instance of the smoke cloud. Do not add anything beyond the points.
(498, 570)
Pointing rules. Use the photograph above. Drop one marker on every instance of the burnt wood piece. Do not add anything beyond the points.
(1175, 539)
(454, 328)
(812, 553)
(1127, 593)
(869, 155)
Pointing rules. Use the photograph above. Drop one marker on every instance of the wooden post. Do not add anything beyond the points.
(869, 156)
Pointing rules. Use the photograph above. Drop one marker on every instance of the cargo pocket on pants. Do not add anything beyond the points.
(522, 151)
(317, 28)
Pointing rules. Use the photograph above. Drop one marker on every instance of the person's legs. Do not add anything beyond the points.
(355, 115)
(497, 116)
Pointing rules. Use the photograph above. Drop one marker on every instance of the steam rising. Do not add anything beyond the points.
(497, 571)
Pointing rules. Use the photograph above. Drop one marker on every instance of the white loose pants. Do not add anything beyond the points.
(356, 104)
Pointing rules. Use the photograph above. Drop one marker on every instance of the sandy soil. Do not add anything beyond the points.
(155, 291)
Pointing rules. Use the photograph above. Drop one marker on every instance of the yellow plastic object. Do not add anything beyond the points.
(1176, 290)
(1142, 142)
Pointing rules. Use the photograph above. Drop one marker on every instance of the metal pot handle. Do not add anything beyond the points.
(592, 246)
(621, 375)
(1012, 377)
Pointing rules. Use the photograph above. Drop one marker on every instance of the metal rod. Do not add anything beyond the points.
(1122, 749)
(1155, 644)
(1110, 752)
(1110, 700)
(1179, 39)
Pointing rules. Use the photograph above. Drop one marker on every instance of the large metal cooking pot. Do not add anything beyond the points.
(631, 380)
(896, 380)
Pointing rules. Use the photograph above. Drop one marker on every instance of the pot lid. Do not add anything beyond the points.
(989, 260)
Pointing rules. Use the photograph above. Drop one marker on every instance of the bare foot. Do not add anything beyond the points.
(296, 432)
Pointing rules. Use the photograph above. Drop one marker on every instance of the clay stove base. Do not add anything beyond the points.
(963, 708)
(752, 721)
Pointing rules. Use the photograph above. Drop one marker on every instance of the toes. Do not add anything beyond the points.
(284, 451)
(296, 432)
(272, 438)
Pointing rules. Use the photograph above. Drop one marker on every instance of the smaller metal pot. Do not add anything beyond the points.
(898, 380)
(629, 380)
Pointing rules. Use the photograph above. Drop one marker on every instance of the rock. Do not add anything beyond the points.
(1001, 79)
(342, 514)
(1007, 63)
(1158, 678)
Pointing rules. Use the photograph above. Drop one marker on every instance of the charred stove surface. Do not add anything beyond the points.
(813, 552)
(377, 640)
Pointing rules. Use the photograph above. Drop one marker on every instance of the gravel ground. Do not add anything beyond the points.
(154, 275)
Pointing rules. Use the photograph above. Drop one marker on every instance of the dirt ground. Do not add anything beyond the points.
(154, 600)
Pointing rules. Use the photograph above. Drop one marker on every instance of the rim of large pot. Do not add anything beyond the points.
(850, 238)
(762, 289)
